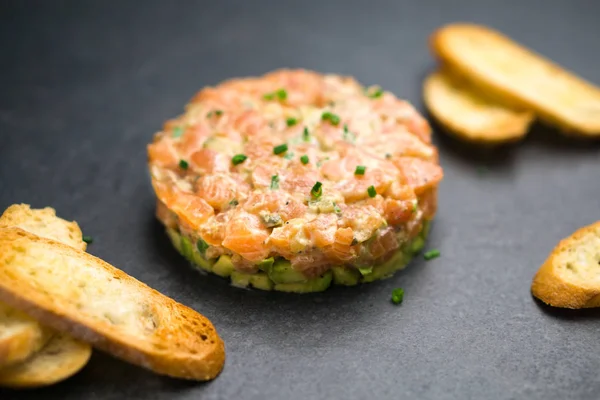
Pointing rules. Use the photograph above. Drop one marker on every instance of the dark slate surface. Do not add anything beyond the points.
(83, 86)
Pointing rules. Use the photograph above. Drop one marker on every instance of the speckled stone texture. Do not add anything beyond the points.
(84, 85)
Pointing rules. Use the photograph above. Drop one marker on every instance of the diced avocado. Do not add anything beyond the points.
(282, 272)
(175, 238)
(345, 276)
(387, 269)
(202, 262)
(265, 264)
(240, 279)
(223, 267)
(186, 248)
(417, 244)
(259, 280)
(312, 285)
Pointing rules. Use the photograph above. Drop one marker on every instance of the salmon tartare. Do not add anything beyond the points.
(295, 180)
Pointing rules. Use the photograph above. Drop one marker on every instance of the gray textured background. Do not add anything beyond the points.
(84, 85)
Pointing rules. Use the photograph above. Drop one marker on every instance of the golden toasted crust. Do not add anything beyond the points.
(61, 358)
(469, 114)
(20, 336)
(570, 277)
(43, 222)
(75, 292)
(496, 63)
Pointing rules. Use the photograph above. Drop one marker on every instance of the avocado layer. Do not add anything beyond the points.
(278, 274)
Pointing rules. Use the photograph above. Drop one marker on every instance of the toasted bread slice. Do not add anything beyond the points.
(570, 277)
(43, 222)
(496, 63)
(60, 359)
(75, 292)
(470, 115)
(20, 336)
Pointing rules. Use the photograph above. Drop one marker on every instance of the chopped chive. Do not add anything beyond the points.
(238, 159)
(388, 156)
(218, 113)
(431, 254)
(289, 155)
(306, 135)
(177, 132)
(360, 170)
(87, 239)
(414, 207)
(349, 136)
(183, 164)
(331, 117)
(317, 190)
(234, 202)
(282, 148)
(371, 191)
(279, 94)
(397, 295)
(374, 92)
(202, 246)
(275, 182)
(336, 208)
(304, 159)
(291, 121)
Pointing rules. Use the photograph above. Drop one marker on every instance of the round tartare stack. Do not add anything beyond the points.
(296, 180)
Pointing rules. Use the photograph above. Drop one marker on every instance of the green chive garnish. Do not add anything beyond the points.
(371, 191)
(336, 208)
(218, 113)
(317, 190)
(282, 148)
(177, 132)
(331, 117)
(360, 170)
(183, 164)
(87, 239)
(238, 159)
(280, 94)
(374, 92)
(349, 136)
(234, 202)
(414, 207)
(431, 254)
(291, 121)
(304, 159)
(397, 295)
(306, 135)
(388, 156)
(275, 182)
(202, 246)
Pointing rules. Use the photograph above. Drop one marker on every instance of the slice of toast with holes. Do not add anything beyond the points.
(570, 276)
(79, 294)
